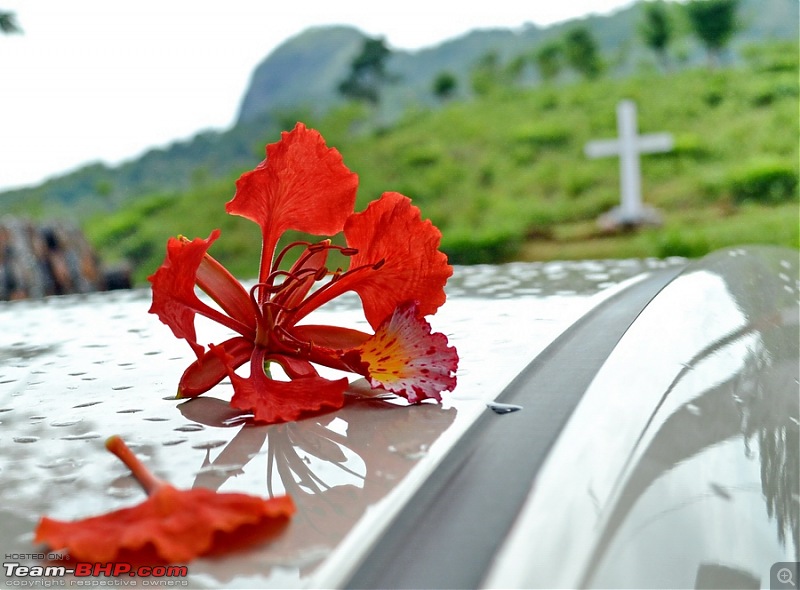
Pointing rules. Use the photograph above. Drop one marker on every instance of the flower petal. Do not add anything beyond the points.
(219, 284)
(391, 230)
(302, 185)
(171, 525)
(174, 298)
(211, 368)
(406, 358)
(178, 525)
(273, 401)
(330, 343)
(397, 261)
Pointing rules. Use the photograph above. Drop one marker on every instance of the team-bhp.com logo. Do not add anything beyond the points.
(93, 574)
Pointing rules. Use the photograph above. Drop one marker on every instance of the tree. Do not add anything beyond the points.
(367, 72)
(8, 23)
(580, 50)
(548, 60)
(486, 74)
(656, 29)
(444, 85)
(714, 22)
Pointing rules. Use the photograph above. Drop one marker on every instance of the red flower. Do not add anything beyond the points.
(171, 525)
(395, 268)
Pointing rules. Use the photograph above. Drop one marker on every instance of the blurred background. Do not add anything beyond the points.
(126, 123)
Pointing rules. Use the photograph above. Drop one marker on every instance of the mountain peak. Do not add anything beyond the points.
(309, 65)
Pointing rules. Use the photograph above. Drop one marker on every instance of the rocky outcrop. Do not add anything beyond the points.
(37, 260)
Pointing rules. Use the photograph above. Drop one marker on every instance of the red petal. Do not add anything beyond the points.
(273, 401)
(329, 343)
(405, 358)
(302, 184)
(215, 280)
(397, 261)
(179, 525)
(210, 369)
(174, 299)
(171, 525)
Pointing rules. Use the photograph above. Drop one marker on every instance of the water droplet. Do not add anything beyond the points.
(61, 465)
(59, 424)
(156, 419)
(209, 444)
(190, 428)
(64, 479)
(84, 436)
(120, 492)
(220, 469)
(121, 387)
(25, 439)
(87, 404)
(720, 491)
(129, 411)
(173, 442)
(410, 450)
(237, 420)
(499, 408)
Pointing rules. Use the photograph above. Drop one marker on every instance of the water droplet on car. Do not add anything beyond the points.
(190, 428)
(86, 405)
(25, 439)
(499, 408)
(209, 444)
(85, 436)
(62, 423)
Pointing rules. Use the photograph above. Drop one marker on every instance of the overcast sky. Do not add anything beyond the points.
(105, 80)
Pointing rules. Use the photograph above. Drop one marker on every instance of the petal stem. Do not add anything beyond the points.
(149, 482)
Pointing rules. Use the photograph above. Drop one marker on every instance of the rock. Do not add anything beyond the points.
(37, 260)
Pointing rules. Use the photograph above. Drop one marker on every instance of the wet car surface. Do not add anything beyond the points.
(662, 426)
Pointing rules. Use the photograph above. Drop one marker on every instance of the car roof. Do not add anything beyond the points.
(80, 368)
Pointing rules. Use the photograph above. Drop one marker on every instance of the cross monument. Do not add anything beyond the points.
(628, 146)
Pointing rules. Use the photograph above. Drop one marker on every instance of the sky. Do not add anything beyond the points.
(106, 80)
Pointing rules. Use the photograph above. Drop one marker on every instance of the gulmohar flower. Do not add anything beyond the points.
(395, 267)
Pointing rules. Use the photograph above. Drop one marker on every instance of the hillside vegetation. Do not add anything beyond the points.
(504, 175)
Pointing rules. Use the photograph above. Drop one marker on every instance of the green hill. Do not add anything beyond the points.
(504, 175)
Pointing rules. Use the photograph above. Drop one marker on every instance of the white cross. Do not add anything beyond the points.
(628, 147)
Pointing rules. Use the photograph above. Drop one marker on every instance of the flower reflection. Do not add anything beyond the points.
(333, 466)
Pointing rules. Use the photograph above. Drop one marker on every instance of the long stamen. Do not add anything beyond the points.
(310, 302)
(279, 258)
(289, 338)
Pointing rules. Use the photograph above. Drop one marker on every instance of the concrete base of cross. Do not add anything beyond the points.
(616, 220)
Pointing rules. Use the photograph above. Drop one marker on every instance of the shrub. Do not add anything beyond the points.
(675, 243)
(770, 182)
(486, 247)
